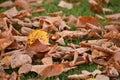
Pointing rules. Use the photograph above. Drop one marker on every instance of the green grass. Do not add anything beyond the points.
(78, 10)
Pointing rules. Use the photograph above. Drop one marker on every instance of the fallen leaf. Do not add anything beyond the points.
(11, 12)
(102, 77)
(72, 34)
(25, 68)
(6, 60)
(112, 72)
(64, 4)
(113, 16)
(7, 4)
(79, 76)
(39, 46)
(13, 76)
(115, 28)
(48, 70)
(61, 41)
(104, 1)
(95, 6)
(2, 71)
(38, 34)
(22, 4)
(18, 60)
(47, 61)
(82, 21)
(107, 10)
(99, 16)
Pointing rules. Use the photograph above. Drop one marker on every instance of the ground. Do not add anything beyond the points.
(79, 10)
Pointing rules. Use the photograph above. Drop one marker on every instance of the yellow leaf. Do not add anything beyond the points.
(38, 34)
(92, 79)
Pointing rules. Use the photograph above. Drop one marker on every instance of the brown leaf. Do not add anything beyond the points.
(7, 4)
(47, 61)
(98, 54)
(113, 37)
(48, 70)
(61, 41)
(82, 21)
(113, 16)
(26, 31)
(3, 25)
(21, 38)
(19, 59)
(73, 34)
(33, 2)
(89, 43)
(22, 4)
(72, 19)
(115, 61)
(99, 17)
(25, 68)
(112, 72)
(95, 6)
(39, 46)
(38, 9)
(101, 62)
(64, 4)
(7, 40)
(115, 28)
(107, 10)
(102, 77)
(13, 76)
(11, 12)
(104, 49)
(79, 76)
(2, 72)
(104, 1)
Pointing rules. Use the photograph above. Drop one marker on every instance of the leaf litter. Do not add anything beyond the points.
(20, 48)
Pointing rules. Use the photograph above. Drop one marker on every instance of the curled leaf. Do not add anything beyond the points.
(19, 59)
(38, 34)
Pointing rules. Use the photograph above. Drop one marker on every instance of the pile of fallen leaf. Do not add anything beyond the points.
(20, 48)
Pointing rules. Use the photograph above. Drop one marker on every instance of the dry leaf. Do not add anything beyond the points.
(64, 4)
(113, 28)
(38, 34)
(61, 41)
(22, 4)
(113, 16)
(79, 76)
(104, 1)
(83, 21)
(6, 60)
(107, 10)
(95, 6)
(48, 70)
(72, 19)
(99, 16)
(7, 4)
(47, 61)
(72, 34)
(18, 60)
(11, 12)
(39, 46)
(13, 76)
(7, 40)
(2, 71)
(25, 31)
(112, 72)
(102, 77)
(25, 68)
